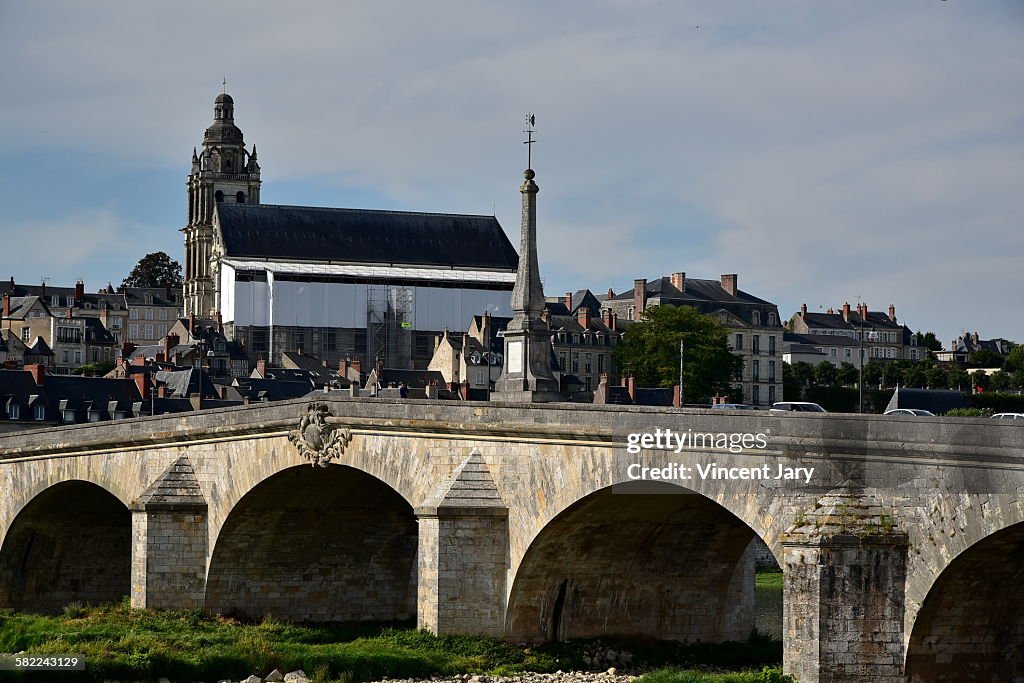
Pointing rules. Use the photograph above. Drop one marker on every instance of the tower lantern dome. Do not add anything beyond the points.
(223, 129)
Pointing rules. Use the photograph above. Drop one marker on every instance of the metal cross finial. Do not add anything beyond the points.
(225, 84)
(531, 120)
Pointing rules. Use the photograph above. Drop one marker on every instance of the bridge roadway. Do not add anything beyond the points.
(902, 557)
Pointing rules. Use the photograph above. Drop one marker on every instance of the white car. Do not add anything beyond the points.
(910, 411)
(796, 407)
(1008, 416)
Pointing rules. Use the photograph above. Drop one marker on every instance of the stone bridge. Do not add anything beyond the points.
(903, 558)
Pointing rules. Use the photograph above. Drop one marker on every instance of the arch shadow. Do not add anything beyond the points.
(316, 544)
(71, 542)
(637, 559)
(971, 623)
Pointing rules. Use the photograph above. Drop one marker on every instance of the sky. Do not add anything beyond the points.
(824, 151)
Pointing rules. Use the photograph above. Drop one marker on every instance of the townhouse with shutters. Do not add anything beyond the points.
(753, 325)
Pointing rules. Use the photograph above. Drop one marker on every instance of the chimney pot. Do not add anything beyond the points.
(38, 371)
(568, 302)
(803, 310)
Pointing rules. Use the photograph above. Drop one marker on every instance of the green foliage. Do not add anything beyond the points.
(1015, 361)
(847, 375)
(765, 675)
(93, 369)
(997, 403)
(970, 412)
(650, 351)
(154, 270)
(928, 340)
(803, 373)
(825, 374)
(958, 379)
(120, 643)
(892, 374)
(936, 378)
(983, 358)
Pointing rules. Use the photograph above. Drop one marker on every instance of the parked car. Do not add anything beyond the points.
(910, 411)
(1008, 416)
(733, 406)
(796, 407)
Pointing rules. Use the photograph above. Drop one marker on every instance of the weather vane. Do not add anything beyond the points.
(531, 121)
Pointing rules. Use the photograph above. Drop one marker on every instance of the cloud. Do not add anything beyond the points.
(820, 150)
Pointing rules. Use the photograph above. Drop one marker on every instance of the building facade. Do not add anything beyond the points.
(883, 337)
(753, 325)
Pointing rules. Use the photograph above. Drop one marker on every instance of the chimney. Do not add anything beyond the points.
(192, 324)
(161, 391)
(464, 389)
(161, 357)
(583, 317)
(71, 312)
(38, 371)
(357, 367)
(729, 283)
(677, 399)
(222, 392)
(568, 302)
(42, 290)
(12, 284)
(126, 349)
(639, 297)
(485, 330)
(139, 361)
(220, 325)
(846, 311)
(609, 318)
(631, 388)
(7, 304)
(803, 311)
(343, 368)
(261, 368)
(144, 383)
(545, 315)
(79, 291)
(611, 294)
(679, 281)
(892, 312)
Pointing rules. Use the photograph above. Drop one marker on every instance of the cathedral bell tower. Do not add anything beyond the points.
(223, 172)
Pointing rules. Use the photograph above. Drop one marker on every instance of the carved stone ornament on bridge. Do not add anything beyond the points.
(318, 441)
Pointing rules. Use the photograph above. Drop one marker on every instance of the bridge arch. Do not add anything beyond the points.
(970, 626)
(316, 544)
(70, 542)
(636, 558)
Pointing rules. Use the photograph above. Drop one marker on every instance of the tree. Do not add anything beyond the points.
(848, 374)
(803, 373)
(650, 351)
(825, 374)
(983, 358)
(928, 340)
(958, 379)
(936, 377)
(872, 374)
(1001, 381)
(1015, 361)
(154, 270)
(915, 377)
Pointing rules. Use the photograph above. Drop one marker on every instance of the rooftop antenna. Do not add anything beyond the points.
(531, 121)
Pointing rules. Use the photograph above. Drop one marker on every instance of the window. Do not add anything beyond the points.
(600, 362)
(739, 342)
(331, 340)
(133, 313)
(149, 314)
(755, 343)
(849, 353)
(575, 338)
(70, 300)
(24, 334)
(479, 376)
(133, 331)
(771, 371)
(771, 320)
(756, 316)
(65, 356)
(589, 386)
(756, 394)
(149, 331)
(78, 357)
(69, 416)
(298, 339)
(832, 352)
(240, 198)
(771, 345)
(219, 196)
(755, 371)
(55, 300)
(771, 394)
(423, 345)
(163, 314)
(39, 411)
(116, 323)
(13, 411)
(586, 364)
(161, 331)
(561, 362)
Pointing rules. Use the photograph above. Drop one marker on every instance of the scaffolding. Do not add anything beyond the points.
(389, 323)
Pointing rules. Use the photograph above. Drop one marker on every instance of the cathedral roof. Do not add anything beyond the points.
(299, 233)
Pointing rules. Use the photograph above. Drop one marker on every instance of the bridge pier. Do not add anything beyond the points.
(169, 542)
(844, 592)
(463, 555)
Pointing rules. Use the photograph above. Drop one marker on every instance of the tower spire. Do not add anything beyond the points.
(527, 373)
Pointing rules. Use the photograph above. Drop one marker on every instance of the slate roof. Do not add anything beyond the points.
(696, 291)
(176, 489)
(819, 339)
(939, 401)
(836, 321)
(299, 233)
(272, 389)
